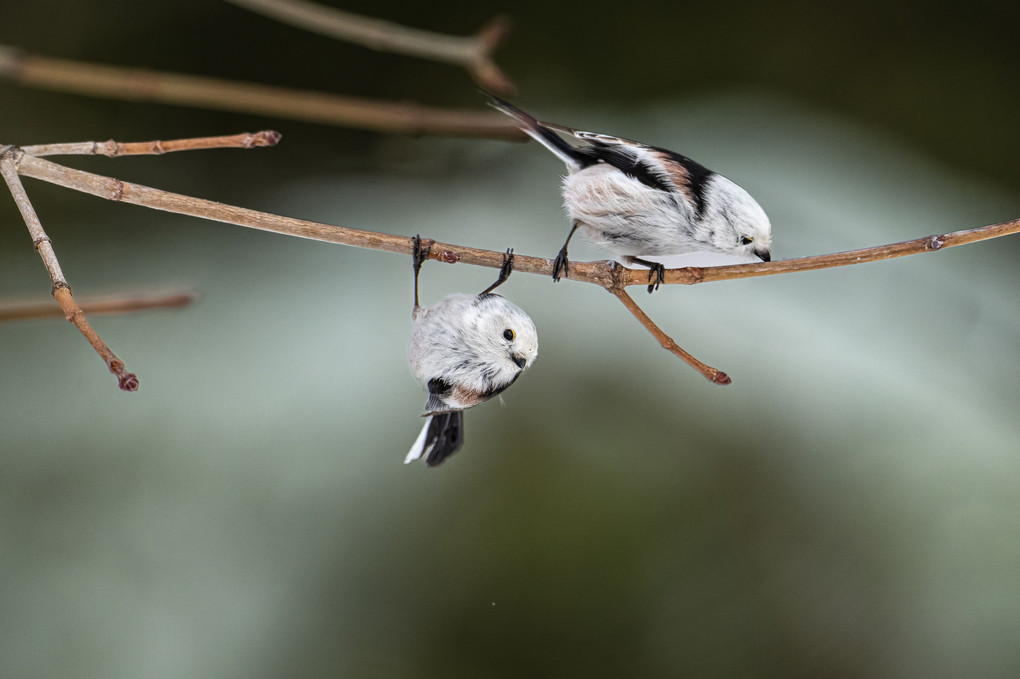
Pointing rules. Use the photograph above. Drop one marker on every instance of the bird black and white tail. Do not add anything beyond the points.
(541, 133)
(441, 437)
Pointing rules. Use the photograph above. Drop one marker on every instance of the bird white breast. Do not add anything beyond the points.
(626, 217)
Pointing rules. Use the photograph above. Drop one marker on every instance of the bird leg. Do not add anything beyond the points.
(561, 261)
(418, 257)
(655, 270)
(504, 271)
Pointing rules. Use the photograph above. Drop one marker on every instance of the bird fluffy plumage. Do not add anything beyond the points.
(637, 200)
(465, 349)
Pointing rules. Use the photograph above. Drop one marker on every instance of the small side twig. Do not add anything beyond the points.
(129, 84)
(707, 371)
(109, 305)
(473, 53)
(61, 290)
(112, 149)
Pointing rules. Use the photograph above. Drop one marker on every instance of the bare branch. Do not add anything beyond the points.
(474, 53)
(129, 84)
(9, 169)
(600, 273)
(108, 305)
(710, 373)
(606, 274)
(934, 243)
(61, 290)
(112, 149)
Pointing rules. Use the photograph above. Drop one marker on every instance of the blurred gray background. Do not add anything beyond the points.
(849, 506)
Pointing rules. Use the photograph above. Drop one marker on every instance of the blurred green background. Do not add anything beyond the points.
(849, 506)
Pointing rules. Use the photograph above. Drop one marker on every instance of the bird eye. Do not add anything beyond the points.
(509, 335)
(746, 240)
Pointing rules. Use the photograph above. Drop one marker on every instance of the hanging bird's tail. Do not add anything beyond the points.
(441, 437)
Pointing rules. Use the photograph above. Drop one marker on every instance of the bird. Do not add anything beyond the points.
(464, 349)
(641, 201)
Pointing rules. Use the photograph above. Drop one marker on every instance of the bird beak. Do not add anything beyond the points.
(521, 361)
(763, 255)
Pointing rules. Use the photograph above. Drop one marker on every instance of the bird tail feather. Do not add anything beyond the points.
(440, 437)
(541, 133)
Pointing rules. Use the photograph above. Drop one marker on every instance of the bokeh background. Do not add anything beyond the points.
(849, 506)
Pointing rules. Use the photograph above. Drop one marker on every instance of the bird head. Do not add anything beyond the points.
(507, 337)
(739, 225)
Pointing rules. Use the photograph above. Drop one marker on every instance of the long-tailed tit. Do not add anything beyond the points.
(637, 200)
(464, 349)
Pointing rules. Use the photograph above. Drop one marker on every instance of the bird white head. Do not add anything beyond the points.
(503, 335)
(468, 348)
(736, 224)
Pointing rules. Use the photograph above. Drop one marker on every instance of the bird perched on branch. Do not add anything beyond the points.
(641, 201)
(464, 349)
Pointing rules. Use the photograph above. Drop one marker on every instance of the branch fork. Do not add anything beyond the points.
(12, 159)
(473, 53)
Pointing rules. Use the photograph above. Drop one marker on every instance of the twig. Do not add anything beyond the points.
(692, 275)
(474, 53)
(136, 194)
(707, 371)
(110, 305)
(187, 90)
(61, 290)
(606, 274)
(112, 149)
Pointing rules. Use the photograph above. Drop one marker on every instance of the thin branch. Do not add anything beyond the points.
(116, 82)
(109, 188)
(61, 290)
(109, 305)
(9, 169)
(606, 274)
(933, 243)
(474, 53)
(112, 149)
(707, 371)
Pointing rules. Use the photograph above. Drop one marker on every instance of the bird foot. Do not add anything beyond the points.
(504, 271)
(658, 272)
(561, 262)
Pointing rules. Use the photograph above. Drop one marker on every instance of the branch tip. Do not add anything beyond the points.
(266, 138)
(492, 33)
(126, 381)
